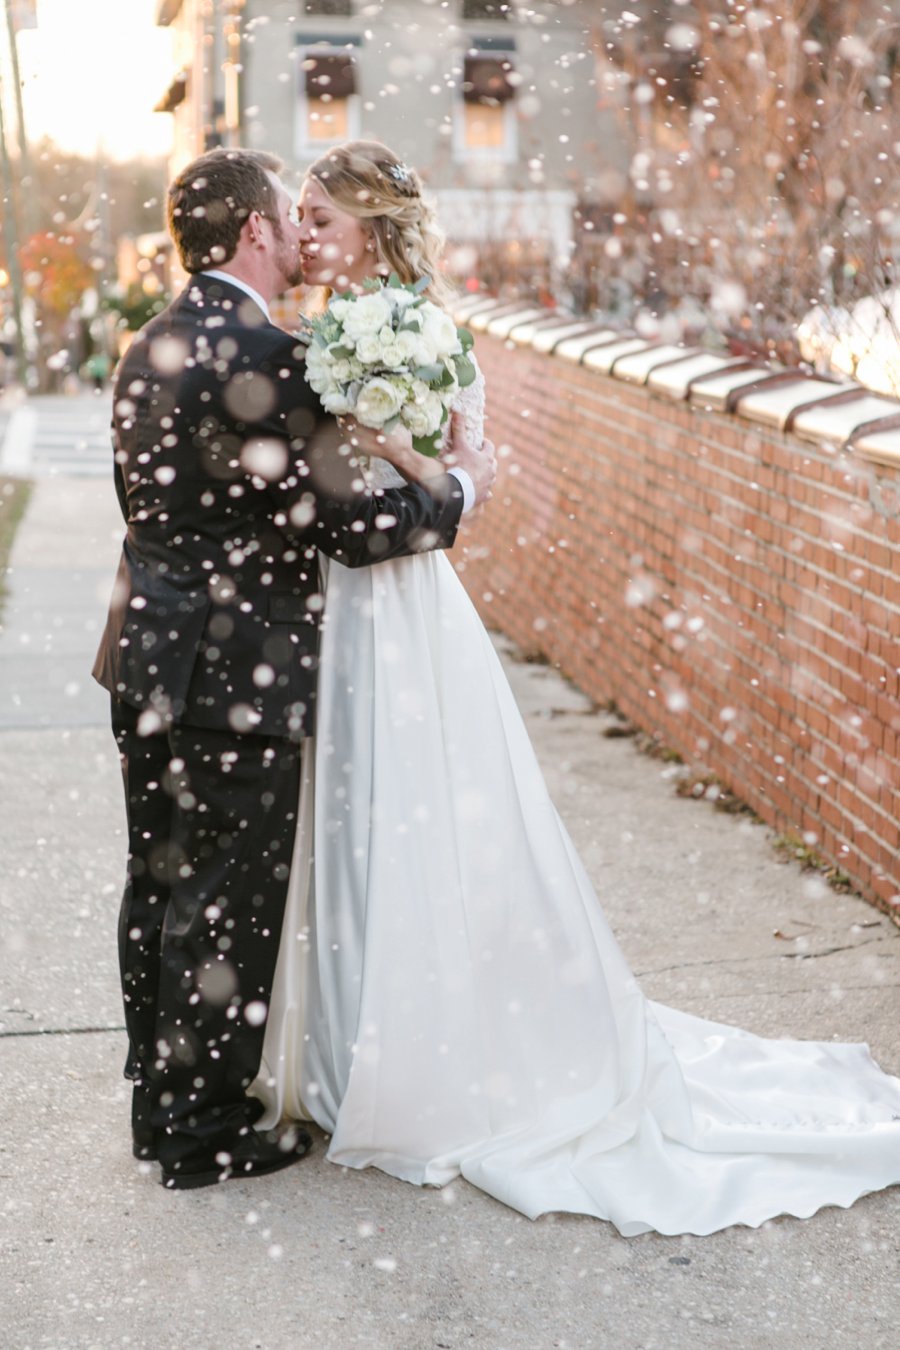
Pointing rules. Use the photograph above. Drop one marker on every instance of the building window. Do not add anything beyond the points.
(328, 105)
(330, 7)
(486, 117)
(486, 9)
(485, 127)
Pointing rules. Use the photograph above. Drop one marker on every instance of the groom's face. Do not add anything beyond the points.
(286, 251)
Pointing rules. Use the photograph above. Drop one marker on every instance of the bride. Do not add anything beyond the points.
(449, 997)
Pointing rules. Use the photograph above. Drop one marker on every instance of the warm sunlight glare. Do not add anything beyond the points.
(92, 71)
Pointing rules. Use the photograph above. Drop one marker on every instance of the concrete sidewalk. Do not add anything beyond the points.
(96, 1254)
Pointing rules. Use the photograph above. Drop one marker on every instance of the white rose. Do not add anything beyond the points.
(377, 402)
(343, 370)
(368, 349)
(340, 309)
(398, 297)
(367, 314)
(439, 332)
(416, 419)
(319, 383)
(423, 415)
(390, 356)
(410, 347)
(318, 373)
(433, 407)
(336, 402)
(316, 362)
(405, 350)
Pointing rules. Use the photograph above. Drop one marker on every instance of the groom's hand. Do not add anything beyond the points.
(395, 446)
(480, 462)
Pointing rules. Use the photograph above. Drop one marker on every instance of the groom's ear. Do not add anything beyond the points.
(253, 226)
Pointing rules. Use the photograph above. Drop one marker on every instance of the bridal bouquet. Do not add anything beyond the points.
(389, 358)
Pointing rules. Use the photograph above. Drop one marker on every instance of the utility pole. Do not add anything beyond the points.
(25, 179)
(11, 239)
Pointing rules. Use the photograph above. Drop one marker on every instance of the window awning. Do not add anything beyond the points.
(175, 94)
(486, 78)
(332, 73)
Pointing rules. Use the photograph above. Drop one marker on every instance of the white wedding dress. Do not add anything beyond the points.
(449, 997)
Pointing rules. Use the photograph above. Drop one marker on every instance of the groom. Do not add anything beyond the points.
(230, 480)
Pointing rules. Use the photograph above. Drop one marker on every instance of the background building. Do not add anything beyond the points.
(498, 105)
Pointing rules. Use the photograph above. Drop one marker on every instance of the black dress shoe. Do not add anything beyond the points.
(251, 1155)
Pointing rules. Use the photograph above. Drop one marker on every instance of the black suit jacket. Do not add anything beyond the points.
(230, 480)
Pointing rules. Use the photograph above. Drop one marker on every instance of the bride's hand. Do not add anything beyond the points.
(395, 446)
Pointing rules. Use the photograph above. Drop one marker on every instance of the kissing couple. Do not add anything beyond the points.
(349, 898)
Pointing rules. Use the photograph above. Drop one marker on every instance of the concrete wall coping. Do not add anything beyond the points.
(548, 340)
(674, 381)
(775, 407)
(814, 408)
(502, 327)
(575, 348)
(640, 365)
(605, 357)
(546, 321)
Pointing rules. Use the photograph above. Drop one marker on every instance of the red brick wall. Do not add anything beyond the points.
(731, 588)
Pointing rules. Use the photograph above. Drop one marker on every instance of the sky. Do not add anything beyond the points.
(92, 70)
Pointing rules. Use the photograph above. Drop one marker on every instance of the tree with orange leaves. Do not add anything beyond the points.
(56, 276)
(55, 272)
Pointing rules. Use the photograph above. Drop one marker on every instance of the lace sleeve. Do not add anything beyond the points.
(469, 402)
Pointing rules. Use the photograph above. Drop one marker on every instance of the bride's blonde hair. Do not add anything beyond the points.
(367, 180)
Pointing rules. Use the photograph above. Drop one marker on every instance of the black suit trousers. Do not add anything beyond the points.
(212, 817)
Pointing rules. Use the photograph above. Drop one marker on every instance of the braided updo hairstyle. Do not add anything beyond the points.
(367, 180)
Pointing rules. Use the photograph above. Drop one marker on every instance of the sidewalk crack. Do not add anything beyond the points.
(58, 1031)
(761, 956)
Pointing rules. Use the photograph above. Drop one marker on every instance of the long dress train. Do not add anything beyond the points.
(450, 999)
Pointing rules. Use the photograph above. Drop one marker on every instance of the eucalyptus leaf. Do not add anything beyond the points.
(465, 371)
(428, 445)
(430, 373)
(421, 285)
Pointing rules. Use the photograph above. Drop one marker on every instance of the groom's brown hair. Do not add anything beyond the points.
(212, 197)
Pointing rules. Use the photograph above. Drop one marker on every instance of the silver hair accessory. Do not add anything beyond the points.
(401, 173)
